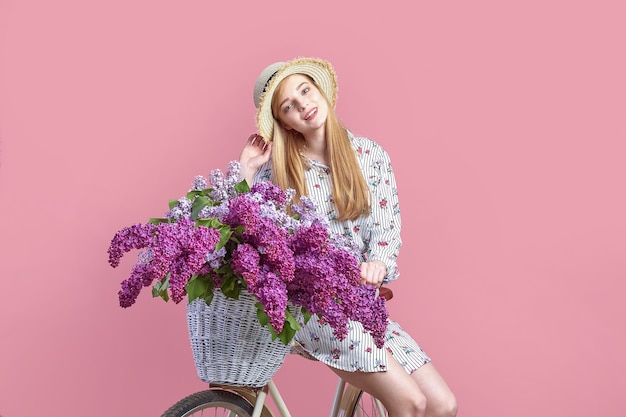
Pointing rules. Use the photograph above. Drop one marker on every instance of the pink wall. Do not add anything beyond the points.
(506, 125)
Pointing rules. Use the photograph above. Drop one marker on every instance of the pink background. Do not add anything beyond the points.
(506, 126)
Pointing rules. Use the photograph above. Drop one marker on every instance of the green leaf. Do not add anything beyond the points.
(224, 271)
(290, 327)
(225, 230)
(208, 298)
(200, 286)
(307, 316)
(191, 195)
(240, 229)
(286, 334)
(225, 234)
(242, 187)
(173, 203)
(157, 220)
(159, 289)
(211, 223)
(231, 286)
(198, 204)
(264, 319)
(206, 192)
(291, 320)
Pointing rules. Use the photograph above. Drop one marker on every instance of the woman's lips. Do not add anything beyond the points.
(311, 115)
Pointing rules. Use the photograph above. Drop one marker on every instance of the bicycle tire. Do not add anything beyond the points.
(358, 403)
(196, 404)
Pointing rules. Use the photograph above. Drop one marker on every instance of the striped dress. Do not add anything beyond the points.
(378, 236)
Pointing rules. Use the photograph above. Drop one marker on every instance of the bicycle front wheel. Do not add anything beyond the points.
(214, 403)
(368, 406)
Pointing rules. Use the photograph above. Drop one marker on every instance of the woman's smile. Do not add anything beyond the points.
(310, 115)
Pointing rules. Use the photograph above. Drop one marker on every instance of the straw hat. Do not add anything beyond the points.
(321, 71)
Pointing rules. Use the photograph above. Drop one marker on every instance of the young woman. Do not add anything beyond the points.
(302, 145)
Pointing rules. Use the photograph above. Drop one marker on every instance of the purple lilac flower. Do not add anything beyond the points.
(327, 283)
(290, 194)
(270, 192)
(219, 194)
(182, 210)
(146, 256)
(280, 217)
(194, 243)
(344, 243)
(262, 233)
(215, 259)
(199, 183)
(137, 236)
(245, 262)
(274, 240)
(223, 187)
(214, 212)
(271, 291)
(243, 212)
(232, 178)
(216, 178)
(218, 189)
(308, 204)
(371, 311)
(233, 171)
(178, 248)
(315, 237)
(308, 214)
(280, 258)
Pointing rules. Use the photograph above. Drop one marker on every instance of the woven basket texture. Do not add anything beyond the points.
(229, 345)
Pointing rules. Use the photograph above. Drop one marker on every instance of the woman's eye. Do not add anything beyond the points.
(288, 107)
(305, 90)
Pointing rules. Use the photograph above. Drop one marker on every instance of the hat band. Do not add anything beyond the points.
(267, 83)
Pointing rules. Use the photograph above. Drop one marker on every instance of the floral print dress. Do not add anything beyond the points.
(378, 237)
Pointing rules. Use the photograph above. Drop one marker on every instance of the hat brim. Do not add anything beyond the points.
(319, 70)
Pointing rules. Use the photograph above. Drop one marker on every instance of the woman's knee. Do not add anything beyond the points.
(446, 407)
(420, 405)
(413, 406)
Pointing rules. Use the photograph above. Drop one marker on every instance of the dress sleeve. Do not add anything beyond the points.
(264, 173)
(385, 224)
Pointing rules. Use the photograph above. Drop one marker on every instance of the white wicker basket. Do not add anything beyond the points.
(229, 345)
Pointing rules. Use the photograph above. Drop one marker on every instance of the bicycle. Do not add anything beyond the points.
(236, 401)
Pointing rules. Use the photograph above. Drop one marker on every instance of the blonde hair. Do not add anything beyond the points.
(350, 192)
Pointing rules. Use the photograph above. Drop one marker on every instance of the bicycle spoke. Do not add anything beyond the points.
(368, 406)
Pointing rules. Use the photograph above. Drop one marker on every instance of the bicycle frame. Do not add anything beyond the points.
(258, 397)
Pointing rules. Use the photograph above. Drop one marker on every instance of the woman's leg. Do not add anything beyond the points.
(424, 393)
(395, 388)
(440, 401)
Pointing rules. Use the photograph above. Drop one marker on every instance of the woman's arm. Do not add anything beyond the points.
(254, 154)
(384, 239)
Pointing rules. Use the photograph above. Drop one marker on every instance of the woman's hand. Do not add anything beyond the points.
(373, 273)
(254, 154)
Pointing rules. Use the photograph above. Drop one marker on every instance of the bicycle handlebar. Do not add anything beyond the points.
(386, 293)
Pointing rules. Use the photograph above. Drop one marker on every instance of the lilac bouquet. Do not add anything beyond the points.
(231, 237)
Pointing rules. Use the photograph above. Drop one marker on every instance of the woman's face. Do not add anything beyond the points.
(300, 105)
